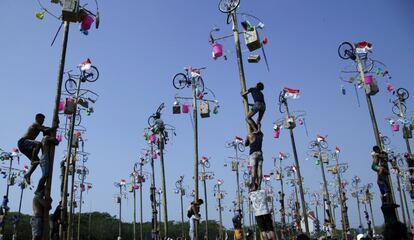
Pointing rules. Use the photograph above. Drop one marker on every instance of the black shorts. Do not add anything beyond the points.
(258, 107)
(264, 222)
(26, 146)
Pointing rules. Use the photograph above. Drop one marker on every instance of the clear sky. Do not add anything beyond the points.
(141, 44)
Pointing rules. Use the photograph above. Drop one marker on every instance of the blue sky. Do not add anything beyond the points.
(141, 45)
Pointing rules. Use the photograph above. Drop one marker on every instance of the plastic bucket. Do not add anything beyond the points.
(185, 108)
(61, 106)
(153, 138)
(395, 127)
(87, 22)
(217, 50)
(276, 134)
(368, 79)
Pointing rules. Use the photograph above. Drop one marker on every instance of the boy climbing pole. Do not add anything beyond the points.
(254, 141)
(259, 106)
(30, 147)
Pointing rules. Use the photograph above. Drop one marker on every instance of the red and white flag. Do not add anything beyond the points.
(237, 138)
(195, 73)
(337, 149)
(291, 93)
(86, 65)
(320, 138)
(363, 47)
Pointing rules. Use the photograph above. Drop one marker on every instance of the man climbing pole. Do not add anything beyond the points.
(254, 141)
(30, 147)
(44, 160)
(237, 224)
(259, 106)
(380, 165)
(193, 214)
(39, 205)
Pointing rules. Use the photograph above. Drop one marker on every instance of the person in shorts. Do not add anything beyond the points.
(259, 106)
(30, 147)
(254, 140)
(237, 224)
(265, 224)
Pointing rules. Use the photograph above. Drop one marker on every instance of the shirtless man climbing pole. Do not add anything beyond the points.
(29, 146)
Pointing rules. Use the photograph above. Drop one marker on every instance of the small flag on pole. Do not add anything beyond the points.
(337, 149)
(86, 65)
(291, 93)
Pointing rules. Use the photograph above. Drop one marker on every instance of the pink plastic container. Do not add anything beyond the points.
(61, 106)
(395, 127)
(217, 50)
(153, 138)
(390, 88)
(368, 79)
(87, 22)
(276, 134)
(185, 108)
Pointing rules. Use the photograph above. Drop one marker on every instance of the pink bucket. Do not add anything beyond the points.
(395, 127)
(217, 50)
(87, 22)
(185, 108)
(368, 79)
(390, 88)
(153, 138)
(61, 106)
(276, 134)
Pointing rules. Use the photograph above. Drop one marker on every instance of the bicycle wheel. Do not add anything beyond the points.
(180, 80)
(71, 86)
(151, 121)
(385, 140)
(396, 109)
(323, 144)
(78, 119)
(241, 147)
(346, 51)
(227, 6)
(159, 109)
(199, 83)
(92, 74)
(178, 184)
(402, 94)
(368, 65)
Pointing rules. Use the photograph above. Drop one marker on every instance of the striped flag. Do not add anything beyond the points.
(291, 93)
